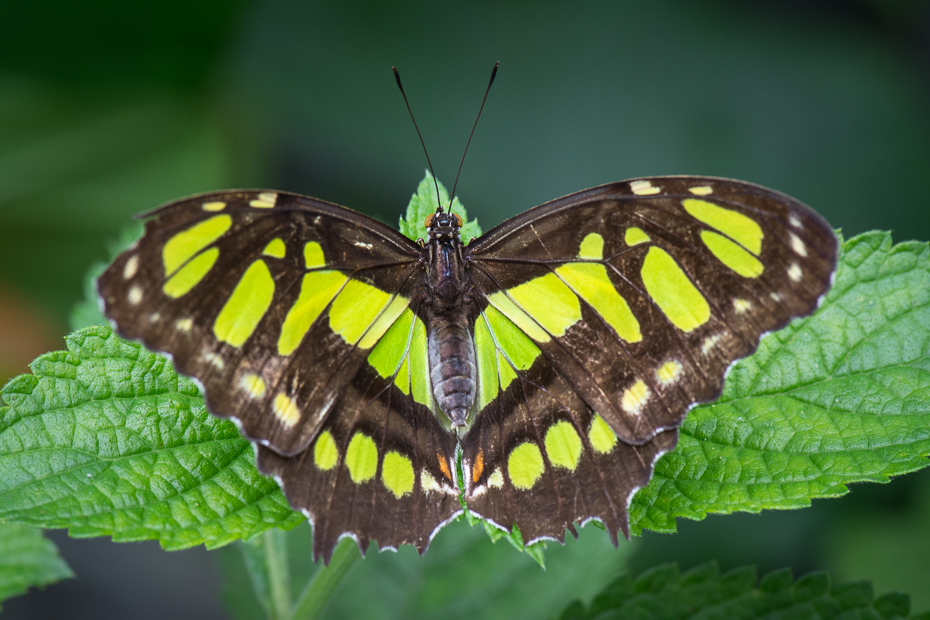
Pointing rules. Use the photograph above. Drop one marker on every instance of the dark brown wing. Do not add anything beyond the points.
(539, 458)
(640, 294)
(380, 469)
(297, 318)
(263, 272)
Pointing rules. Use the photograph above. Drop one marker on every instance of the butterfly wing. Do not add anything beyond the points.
(631, 301)
(381, 468)
(537, 455)
(277, 303)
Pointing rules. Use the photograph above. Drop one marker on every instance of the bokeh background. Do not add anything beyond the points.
(110, 108)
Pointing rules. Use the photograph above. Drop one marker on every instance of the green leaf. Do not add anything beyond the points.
(424, 203)
(665, 593)
(537, 550)
(835, 398)
(106, 439)
(27, 558)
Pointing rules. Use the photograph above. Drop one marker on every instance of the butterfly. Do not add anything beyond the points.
(532, 376)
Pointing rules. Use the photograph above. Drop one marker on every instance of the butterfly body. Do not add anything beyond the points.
(535, 373)
(450, 315)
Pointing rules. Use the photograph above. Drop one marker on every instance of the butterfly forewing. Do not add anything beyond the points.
(249, 291)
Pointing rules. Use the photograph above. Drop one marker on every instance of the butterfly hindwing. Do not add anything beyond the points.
(538, 457)
(381, 468)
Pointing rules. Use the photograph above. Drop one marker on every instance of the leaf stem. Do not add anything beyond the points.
(279, 575)
(322, 585)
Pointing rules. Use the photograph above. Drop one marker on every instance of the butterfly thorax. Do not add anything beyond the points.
(450, 313)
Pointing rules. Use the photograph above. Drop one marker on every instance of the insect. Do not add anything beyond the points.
(536, 372)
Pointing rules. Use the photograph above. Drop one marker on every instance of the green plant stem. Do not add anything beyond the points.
(279, 576)
(325, 581)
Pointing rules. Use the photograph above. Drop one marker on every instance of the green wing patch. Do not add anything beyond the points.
(402, 354)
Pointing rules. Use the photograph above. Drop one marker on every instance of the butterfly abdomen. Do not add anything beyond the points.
(452, 365)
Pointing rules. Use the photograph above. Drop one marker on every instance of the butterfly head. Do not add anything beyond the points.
(443, 226)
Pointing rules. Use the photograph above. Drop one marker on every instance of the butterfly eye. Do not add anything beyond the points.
(458, 219)
(429, 220)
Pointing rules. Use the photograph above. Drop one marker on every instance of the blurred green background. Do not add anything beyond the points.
(111, 108)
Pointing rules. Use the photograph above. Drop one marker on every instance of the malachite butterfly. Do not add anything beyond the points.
(546, 364)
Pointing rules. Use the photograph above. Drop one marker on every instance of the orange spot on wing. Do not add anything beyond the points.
(478, 468)
(444, 467)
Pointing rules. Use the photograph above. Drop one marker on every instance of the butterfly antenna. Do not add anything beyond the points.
(461, 163)
(423, 144)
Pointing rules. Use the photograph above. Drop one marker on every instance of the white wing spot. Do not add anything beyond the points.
(795, 221)
(775, 296)
(184, 325)
(365, 246)
(794, 272)
(701, 190)
(285, 409)
(478, 491)
(428, 483)
(643, 188)
(213, 206)
(265, 200)
(135, 295)
(709, 343)
(154, 317)
(132, 266)
(253, 385)
(797, 245)
(742, 305)
(214, 359)
(496, 479)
